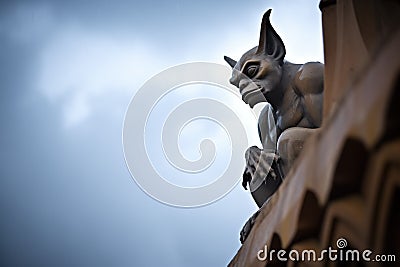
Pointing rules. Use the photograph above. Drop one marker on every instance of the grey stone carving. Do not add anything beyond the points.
(294, 93)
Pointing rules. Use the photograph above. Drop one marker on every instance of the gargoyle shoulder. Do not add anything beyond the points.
(309, 78)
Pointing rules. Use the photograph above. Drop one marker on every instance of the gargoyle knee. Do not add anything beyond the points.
(290, 144)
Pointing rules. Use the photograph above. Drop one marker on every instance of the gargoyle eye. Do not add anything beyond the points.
(251, 71)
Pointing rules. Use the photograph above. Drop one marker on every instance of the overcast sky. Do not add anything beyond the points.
(68, 72)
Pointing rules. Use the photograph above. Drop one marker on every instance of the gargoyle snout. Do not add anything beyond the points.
(243, 84)
(247, 86)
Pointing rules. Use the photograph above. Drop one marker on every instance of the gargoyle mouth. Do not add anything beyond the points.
(252, 94)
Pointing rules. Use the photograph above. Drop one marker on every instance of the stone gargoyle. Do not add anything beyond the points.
(295, 96)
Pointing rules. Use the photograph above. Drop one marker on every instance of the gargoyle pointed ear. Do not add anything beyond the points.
(230, 61)
(270, 42)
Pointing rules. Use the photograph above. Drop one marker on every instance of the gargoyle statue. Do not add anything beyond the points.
(295, 95)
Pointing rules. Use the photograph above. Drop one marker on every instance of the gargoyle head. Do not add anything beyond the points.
(258, 72)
